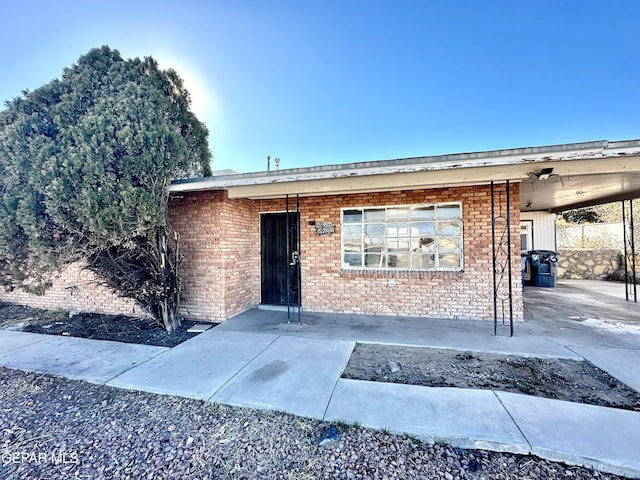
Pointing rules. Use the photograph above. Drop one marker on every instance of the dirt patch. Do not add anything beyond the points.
(571, 380)
(119, 328)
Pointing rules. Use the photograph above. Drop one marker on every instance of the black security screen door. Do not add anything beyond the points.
(276, 260)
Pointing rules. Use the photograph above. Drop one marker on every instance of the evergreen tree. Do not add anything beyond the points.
(85, 165)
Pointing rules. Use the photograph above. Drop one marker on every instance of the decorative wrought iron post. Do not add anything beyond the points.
(288, 234)
(501, 248)
(630, 279)
(294, 278)
(633, 253)
(299, 234)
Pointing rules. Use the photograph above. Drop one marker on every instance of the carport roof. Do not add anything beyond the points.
(582, 174)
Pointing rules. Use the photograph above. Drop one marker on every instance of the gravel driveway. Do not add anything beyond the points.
(53, 428)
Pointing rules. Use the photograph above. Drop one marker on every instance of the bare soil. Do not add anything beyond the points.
(571, 380)
(119, 328)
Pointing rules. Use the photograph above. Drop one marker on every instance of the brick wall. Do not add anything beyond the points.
(468, 294)
(220, 242)
(77, 290)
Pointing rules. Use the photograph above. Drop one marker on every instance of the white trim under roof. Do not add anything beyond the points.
(566, 160)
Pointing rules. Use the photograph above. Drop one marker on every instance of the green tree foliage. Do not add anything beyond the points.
(85, 165)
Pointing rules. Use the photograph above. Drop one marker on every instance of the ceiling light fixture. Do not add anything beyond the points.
(544, 174)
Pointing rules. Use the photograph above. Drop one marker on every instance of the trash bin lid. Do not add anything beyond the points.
(545, 255)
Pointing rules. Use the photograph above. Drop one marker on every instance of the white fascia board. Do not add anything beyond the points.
(457, 162)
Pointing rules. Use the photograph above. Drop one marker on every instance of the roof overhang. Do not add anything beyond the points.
(582, 173)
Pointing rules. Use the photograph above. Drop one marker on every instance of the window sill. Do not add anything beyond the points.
(395, 273)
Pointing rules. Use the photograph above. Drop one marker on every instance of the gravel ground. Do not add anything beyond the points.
(53, 428)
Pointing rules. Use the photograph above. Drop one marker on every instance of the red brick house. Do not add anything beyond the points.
(236, 253)
(414, 236)
(417, 237)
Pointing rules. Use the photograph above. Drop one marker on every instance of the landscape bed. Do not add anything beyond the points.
(557, 378)
(118, 328)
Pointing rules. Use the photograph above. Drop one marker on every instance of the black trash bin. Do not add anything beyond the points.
(544, 265)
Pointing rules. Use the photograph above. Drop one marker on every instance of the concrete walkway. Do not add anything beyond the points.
(259, 360)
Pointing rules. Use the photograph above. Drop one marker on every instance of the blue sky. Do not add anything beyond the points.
(321, 81)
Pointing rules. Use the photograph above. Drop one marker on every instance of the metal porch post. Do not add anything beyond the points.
(509, 259)
(502, 288)
(288, 257)
(299, 265)
(633, 252)
(493, 246)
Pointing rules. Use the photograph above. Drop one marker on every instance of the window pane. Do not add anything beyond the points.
(449, 227)
(427, 244)
(374, 215)
(351, 216)
(352, 231)
(448, 211)
(353, 260)
(352, 238)
(423, 229)
(397, 230)
(397, 214)
(448, 244)
(449, 260)
(374, 260)
(374, 237)
(423, 213)
(399, 261)
(398, 236)
(423, 261)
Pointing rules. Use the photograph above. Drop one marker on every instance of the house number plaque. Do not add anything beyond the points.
(325, 228)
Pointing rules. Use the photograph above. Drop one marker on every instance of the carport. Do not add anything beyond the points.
(585, 175)
(560, 178)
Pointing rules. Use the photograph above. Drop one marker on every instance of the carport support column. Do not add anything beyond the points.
(629, 248)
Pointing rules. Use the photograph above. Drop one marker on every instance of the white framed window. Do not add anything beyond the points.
(408, 237)
(526, 235)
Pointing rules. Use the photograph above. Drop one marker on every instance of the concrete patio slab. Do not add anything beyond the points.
(295, 375)
(198, 367)
(572, 316)
(615, 289)
(12, 340)
(439, 333)
(96, 361)
(464, 418)
(595, 437)
(622, 364)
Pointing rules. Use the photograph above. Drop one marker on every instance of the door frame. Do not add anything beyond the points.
(294, 274)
